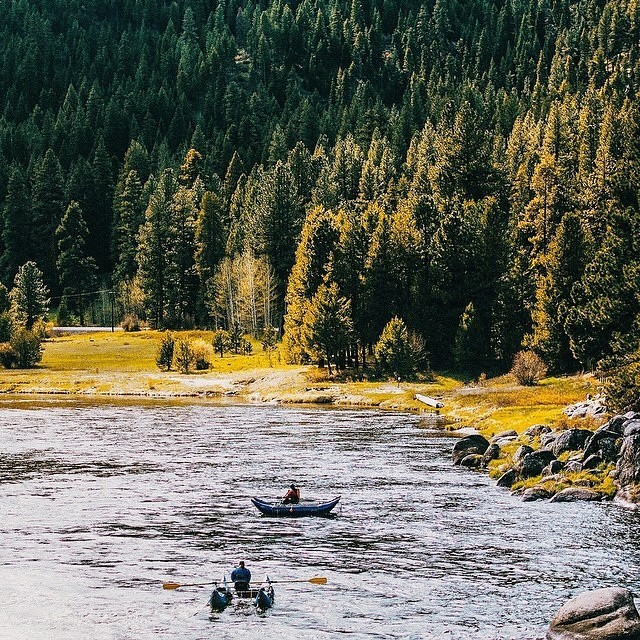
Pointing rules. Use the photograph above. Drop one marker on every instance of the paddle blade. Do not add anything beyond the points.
(318, 580)
(171, 585)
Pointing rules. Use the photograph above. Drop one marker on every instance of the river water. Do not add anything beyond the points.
(100, 503)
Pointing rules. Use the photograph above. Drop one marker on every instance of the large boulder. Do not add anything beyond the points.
(570, 440)
(631, 428)
(468, 445)
(616, 424)
(492, 453)
(602, 614)
(577, 494)
(521, 452)
(553, 468)
(472, 460)
(592, 461)
(507, 478)
(533, 463)
(605, 435)
(628, 469)
(535, 493)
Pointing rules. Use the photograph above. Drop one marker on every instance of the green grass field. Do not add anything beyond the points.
(119, 363)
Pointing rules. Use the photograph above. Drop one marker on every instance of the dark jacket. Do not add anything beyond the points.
(241, 574)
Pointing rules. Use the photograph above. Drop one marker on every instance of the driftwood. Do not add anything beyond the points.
(432, 402)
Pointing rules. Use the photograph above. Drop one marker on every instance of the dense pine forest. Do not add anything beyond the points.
(471, 167)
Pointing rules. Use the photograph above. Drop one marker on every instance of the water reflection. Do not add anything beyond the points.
(102, 502)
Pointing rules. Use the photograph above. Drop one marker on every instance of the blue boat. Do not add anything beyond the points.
(220, 598)
(294, 510)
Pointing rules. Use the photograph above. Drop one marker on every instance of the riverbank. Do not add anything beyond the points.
(123, 364)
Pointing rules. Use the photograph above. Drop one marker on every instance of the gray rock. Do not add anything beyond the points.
(521, 452)
(492, 453)
(628, 466)
(631, 415)
(507, 478)
(472, 460)
(631, 428)
(602, 614)
(590, 407)
(604, 443)
(511, 433)
(570, 440)
(537, 430)
(554, 467)
(505, 441)
(533, 463)
(575, 494)
(592, 461)
(573, 466)
(609, 449)
(547, 439)
(616, 424)
(467, 445)
(535, 493)
(599, 434)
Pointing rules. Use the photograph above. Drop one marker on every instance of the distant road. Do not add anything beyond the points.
(82, 329)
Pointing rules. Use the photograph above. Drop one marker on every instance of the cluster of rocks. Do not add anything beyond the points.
(602, 614)
(615, 442)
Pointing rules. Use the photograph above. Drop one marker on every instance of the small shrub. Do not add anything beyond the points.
(269, 340)
(130, 322)
(318, 375)
(27, 347)
(183, 356)
(221, 341)
(164, 359)
(202, 354)
(528, 368)
(236, 337)
(8, 357)
(39, 329)
(246, 347)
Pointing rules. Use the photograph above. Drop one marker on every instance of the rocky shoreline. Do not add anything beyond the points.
(567, 465)
(562, 465)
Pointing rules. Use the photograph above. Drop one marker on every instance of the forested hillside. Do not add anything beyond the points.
(470, 166)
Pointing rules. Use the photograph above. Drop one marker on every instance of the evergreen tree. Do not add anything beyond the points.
(327, 323)
(564, 268)
(29, 296)
(47, 199)
(76, 270)
(154, 247)
(128, 213)
(17, 225)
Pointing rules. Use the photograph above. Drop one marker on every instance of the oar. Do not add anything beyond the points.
(322, 580)
(177, 585)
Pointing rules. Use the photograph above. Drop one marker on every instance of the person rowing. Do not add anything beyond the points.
(241, 577)
(292, 496)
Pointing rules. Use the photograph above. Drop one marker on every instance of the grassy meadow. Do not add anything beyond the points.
(119, 363)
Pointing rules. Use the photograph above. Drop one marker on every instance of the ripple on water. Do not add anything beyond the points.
(103, 502)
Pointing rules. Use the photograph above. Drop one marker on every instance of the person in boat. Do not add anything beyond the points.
(292, 496)
(241, 577)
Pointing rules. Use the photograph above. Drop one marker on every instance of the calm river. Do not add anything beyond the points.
(100, 503)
